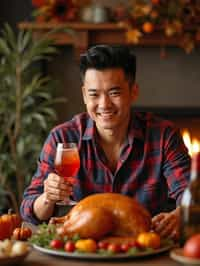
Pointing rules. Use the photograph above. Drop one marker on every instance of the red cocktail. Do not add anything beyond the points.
(67, 162)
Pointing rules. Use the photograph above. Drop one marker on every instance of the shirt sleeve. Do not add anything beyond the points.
(176, 164)
(35, 189)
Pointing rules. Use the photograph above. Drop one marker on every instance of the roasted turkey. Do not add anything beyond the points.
(105, 214)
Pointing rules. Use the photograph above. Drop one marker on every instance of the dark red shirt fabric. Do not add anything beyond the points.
(154, 164)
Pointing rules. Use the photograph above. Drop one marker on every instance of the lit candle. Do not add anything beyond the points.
(193, 145)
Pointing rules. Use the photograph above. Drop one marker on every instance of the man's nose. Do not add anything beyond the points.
(105, 101)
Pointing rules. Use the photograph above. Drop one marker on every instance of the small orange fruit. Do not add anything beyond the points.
(148, 27)
(149, 240)
(86, 245)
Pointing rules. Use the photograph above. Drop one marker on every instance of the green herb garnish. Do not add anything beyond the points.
(44, 235)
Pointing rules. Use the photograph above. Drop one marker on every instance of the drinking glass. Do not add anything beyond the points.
(67, 163)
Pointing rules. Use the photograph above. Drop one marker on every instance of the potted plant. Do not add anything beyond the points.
(26, 109)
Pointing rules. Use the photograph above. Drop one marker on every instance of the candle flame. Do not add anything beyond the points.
(193, 144)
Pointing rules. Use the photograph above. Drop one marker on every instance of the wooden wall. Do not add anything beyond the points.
(173, 82)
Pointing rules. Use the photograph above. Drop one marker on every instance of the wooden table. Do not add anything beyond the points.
(40, 259)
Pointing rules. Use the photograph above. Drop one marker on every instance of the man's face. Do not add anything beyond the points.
(108, 96)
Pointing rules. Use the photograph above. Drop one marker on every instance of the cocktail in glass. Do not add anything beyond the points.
(67, 164)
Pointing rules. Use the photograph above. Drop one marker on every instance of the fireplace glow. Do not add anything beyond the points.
(193, 144)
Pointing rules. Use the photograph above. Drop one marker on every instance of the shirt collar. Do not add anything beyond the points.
(135, 130)
(89, 130)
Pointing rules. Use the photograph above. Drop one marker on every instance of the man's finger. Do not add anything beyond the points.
(168, 229)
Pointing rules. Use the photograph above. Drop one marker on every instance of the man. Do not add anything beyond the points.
(120, 151)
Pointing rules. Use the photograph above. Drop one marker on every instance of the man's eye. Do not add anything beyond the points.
(93, 94)
(115, 93)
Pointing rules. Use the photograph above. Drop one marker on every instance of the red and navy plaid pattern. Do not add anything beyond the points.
(154, 164)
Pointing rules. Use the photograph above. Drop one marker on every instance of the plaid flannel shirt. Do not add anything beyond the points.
(153, 166)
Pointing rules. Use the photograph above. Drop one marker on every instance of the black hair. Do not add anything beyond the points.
(103, 57)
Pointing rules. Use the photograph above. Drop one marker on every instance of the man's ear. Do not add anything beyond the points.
(83, 93)
(135, 92)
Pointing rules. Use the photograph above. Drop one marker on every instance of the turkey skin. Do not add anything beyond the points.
(105, 214)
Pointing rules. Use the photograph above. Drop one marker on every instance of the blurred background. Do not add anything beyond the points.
(168, 83)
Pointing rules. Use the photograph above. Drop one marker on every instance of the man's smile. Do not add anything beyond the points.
(107, 115)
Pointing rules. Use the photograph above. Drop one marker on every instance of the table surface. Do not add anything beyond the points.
(40, 259)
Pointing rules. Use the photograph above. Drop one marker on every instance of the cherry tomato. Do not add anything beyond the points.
(125, 247)
(102, 244)
(69, 246)
(134, 244)
(56, 244)
(114, 248)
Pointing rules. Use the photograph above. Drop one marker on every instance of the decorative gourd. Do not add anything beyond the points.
(5, 228)
(8, 222)
(21, 233)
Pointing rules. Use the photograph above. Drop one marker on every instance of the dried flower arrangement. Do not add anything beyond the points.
(172, 18)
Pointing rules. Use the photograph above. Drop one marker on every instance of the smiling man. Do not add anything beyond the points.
(108, 95)
(122, 151)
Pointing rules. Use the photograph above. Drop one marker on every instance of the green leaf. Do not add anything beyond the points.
(24, 40)
(4, 49)
(49, 111)
(133, 251)
(9, 35)
(40, 119)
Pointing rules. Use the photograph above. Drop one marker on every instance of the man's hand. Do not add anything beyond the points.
(56, 188)
(167, 224)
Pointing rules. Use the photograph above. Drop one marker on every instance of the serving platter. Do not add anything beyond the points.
(98, 256)
(177, 255)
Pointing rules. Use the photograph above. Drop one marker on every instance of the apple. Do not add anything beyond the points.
(191, 247)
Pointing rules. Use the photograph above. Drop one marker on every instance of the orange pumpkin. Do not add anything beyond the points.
(8, 222)
(22, 233)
